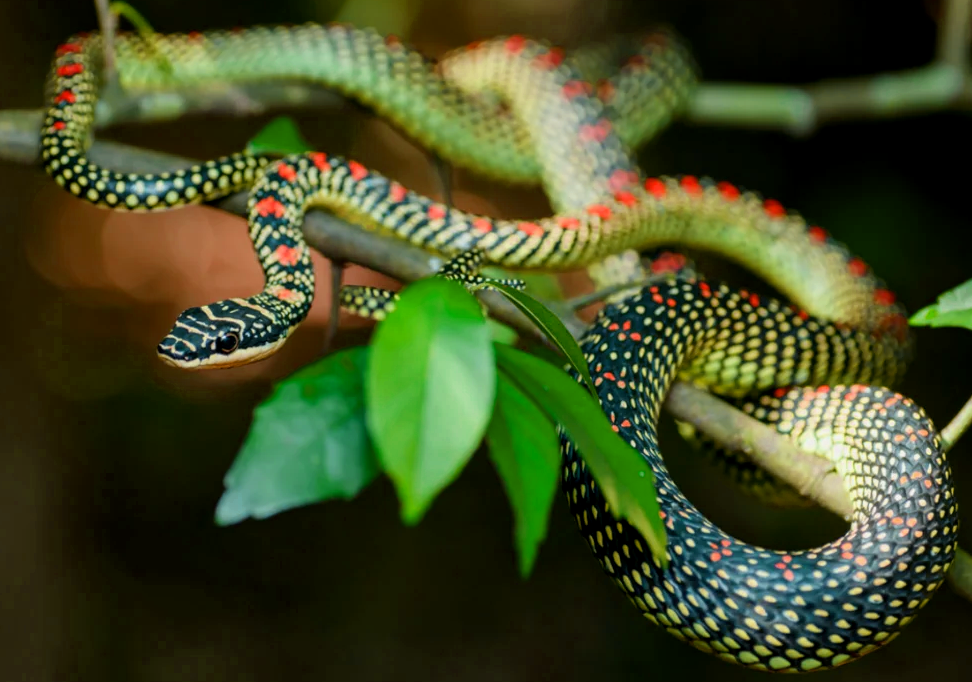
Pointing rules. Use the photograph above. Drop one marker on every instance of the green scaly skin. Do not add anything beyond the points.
(797, 611)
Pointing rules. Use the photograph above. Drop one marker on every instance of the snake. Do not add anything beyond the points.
(816, 364)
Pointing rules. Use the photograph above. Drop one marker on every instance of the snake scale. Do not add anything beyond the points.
(814, 367)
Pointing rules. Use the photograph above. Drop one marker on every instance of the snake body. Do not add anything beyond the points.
(803, 366)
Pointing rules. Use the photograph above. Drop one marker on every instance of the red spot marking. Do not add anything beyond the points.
(626, 198)
(912, 522)
(860, 561)
(657, 298)
(610, 375)
(780, 392)
(662, 514)
(67, 48)
(623, 178)
(726, 552)
(903, 532)
(857, 267)
(615, 427)
(846, 555)
(286, 172)
(600, 210)
(595, 131)
(656, 187)
(357, 170)
(923, 433)
(903, 479)
(396, 192)
(625, 424)
(780, 565)
(530, 229)
(627, 325)
(915, 475)
(928, 483)
(287, 255)
(285, 294)
(668, 262)
(574, 89)
(392, 40)
(728, 191)
(670, 302)
(436, 212)
(483, 224)
(773, 208)
(614, 327)
(884, 297)
(817, 234)
(704, 289)
(515, 44)
(788, 574)
(635, 336)
(803, 315)
(897, 520)
(605, 91)
(715, 556)
(473, 45)
(194, 35)
(550, 59)
(65, 96)
(58, 125)
(269, 205)
(569, 223)
(845, 546)
(753, 300)
(320, 160)
(690, 184)
(787, 558)
(70, 69)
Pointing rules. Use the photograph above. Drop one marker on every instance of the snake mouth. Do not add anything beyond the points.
(179, 353)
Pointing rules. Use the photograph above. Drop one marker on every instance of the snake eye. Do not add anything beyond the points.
(228, 342)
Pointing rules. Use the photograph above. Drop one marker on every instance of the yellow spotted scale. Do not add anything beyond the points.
(801, 367)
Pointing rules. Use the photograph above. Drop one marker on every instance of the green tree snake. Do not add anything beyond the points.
(814, 367)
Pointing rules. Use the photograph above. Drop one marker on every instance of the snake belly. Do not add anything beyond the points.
(805, 366)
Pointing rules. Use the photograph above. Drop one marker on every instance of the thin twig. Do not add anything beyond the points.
(107, 22)
(959, 424)
(953, 34)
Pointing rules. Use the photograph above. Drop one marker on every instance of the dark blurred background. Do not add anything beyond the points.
(112, 464)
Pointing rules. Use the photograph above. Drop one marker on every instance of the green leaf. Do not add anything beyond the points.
(430, 389)
(622, 473)
(501, 333)
(543, 284)
(308, 443)
(524, 446)
(554, 330)
(954, 309)
(279, 136)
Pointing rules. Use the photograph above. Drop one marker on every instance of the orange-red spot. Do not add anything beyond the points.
(287, 255)
(626, 198)
(358, 171)
(70, 69)
(860, 560)
(927, 482)
(396, 192)
(574, 89)
(884, 297)
(897, 520)
(285, 294)
(903, 532)
(569, 223)
(787, 558)
(436, 212)
(599, 210)
(286, 172)
(753, 300)
(671, 303)
(550, 59)
(614, 326)
(715, 556)
(625, 424)
(845, 546)
(483, 224)
(656, 187)
(65, 96)
(773, 208)
(817, 234)
(67, 48)
(668, 262)
(58, 125)
(857, 267)
(846, 555)
(530, 229)
(704, 289)
(270, 206)
(610, 376)
(788, 574)
(635, 336)
(621, 179)
(912, 522)
(605, 91)
(595, 131)
(691, 185)
(627, 325)
(728, 191)
(515, 44)
(319, 159)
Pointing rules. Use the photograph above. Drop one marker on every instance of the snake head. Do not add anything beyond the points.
(221, 335)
